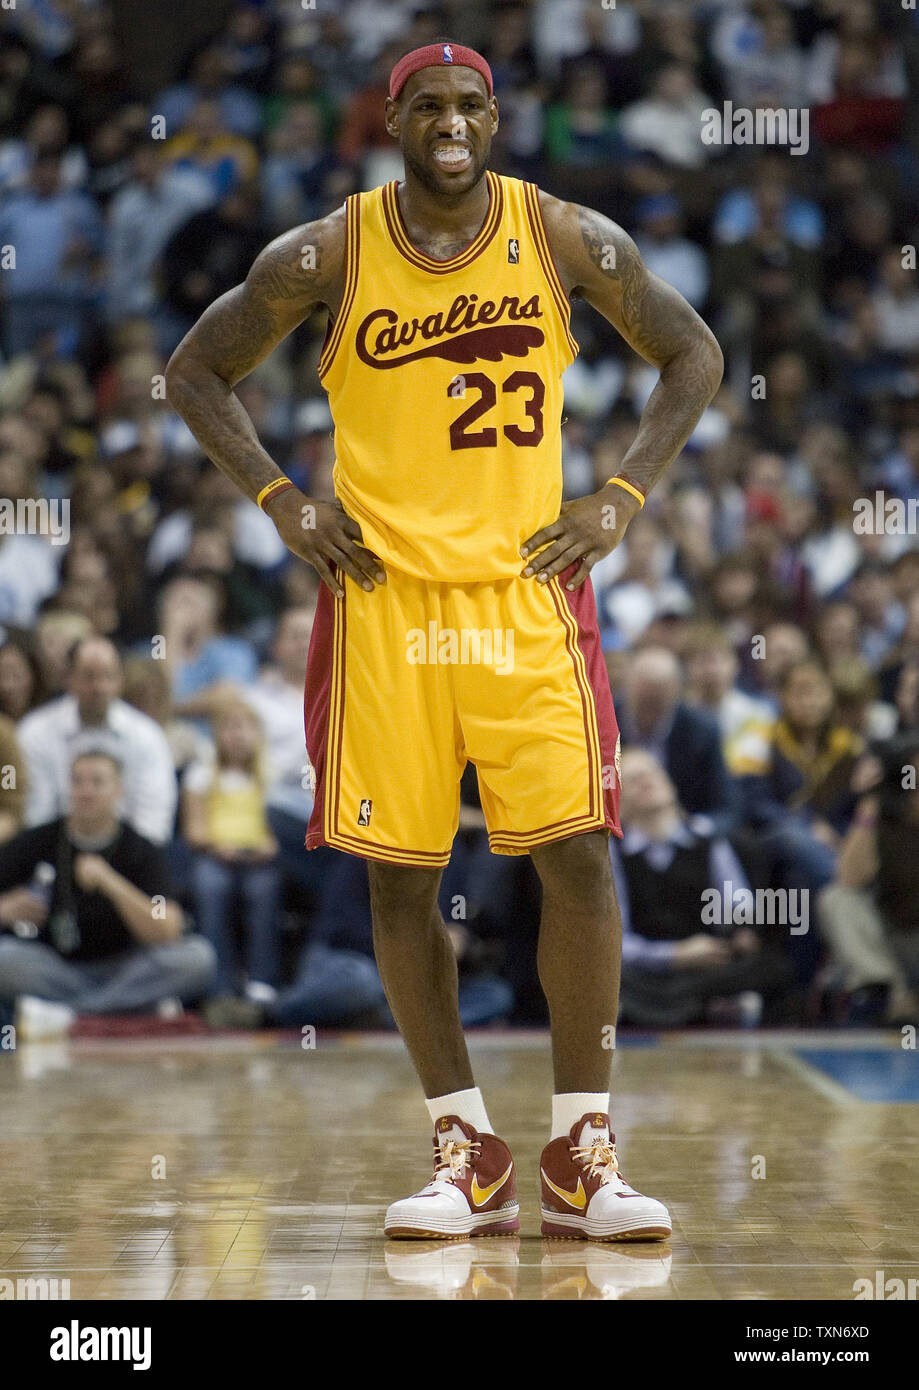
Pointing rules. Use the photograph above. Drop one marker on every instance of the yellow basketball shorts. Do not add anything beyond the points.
(406, 684)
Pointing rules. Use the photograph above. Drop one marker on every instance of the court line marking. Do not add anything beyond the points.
(486, 1257)
(817, 1080)
(524, 1039)
(742, 1040)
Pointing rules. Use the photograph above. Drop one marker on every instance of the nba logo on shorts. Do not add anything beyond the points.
(513, 251)
(448, 53)
(363, 817)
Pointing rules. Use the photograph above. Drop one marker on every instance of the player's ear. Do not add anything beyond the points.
(493, 109)
(391, 118)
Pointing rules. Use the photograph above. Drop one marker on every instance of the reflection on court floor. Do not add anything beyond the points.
(249, 1167)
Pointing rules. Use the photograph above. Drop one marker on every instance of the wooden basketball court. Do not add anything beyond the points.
(252, 1167)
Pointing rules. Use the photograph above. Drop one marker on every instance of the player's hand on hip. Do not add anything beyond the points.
(587, 529)
(325, 536)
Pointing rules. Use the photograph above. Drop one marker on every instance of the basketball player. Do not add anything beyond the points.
(457, 621)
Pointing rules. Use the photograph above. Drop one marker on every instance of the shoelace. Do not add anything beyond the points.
(454, 1155)
(600, 1159)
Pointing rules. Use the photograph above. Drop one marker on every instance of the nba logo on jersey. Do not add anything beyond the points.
(448, 53)
(513, 251)
(363, 817)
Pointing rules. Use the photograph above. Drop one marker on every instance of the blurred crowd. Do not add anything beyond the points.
(760, 621)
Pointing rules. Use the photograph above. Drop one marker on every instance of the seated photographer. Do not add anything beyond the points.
(870, 915)
(86, 922)
(675, 966)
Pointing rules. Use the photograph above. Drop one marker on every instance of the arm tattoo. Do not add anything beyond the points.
(240, 329)
(230, 330)
(284, 275)
(659, 324)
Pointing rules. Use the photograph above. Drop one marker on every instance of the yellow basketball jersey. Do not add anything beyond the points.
(444, 381)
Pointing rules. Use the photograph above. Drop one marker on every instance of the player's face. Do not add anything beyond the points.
(444, 122)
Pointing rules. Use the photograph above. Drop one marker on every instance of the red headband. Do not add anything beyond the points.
(437, 55)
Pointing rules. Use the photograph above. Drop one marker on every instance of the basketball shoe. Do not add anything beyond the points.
(584, 1194)
(473, 1191)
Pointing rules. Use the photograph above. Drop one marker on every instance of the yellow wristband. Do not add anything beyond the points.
(271, 489)
(621, 482)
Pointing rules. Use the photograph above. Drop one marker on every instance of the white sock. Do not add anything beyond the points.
(467, 1105)
(567, 1109)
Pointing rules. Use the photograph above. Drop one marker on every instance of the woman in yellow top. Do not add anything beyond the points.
(799, 800)
(812, 756)
(235, 854)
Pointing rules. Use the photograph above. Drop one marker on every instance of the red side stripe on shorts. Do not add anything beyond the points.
(317, 699)
(583, 609)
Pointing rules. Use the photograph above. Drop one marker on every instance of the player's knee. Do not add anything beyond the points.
(578, 866)
(399, 892)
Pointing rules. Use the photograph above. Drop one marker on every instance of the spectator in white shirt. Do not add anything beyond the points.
(255, 537)
(46, 129)
(28, 574)
(669, 254)
(640, 586)
(668, 121)
(277, 698)
(141, 218)
(29, 563)
(49, 735)
(566, 28)
(896, 305)
(760, 57)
